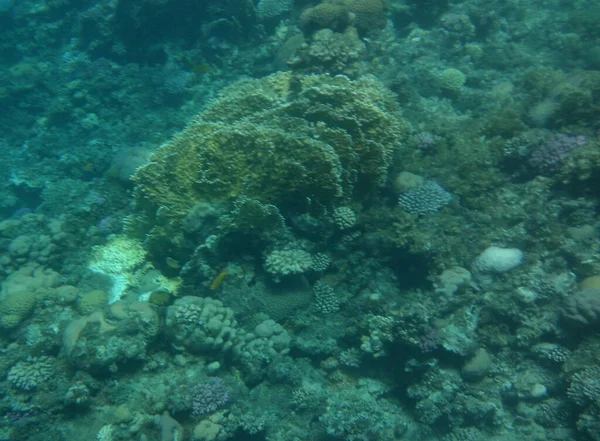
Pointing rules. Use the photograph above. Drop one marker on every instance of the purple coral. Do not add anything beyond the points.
(428, 198)
(209, 396)
(429, 341)
(548, 157)
(109, 225)
(21, 212)
(425, 141)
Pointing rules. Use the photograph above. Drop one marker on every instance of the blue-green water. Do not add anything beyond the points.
(282, 220)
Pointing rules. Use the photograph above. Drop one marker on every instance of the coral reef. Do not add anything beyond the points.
(319, 139)
(333, 220)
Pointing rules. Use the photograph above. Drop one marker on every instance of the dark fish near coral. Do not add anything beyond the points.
(201, 69)
(161, 297)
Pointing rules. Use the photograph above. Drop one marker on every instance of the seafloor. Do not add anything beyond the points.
(353, 220)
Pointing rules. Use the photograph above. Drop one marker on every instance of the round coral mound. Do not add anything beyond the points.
(279, 140)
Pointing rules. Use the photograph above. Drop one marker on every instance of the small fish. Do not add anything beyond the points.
(218, 280)
(202, 68)
(161, 297)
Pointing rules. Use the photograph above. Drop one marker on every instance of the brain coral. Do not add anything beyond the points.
(91, 301)
(15, 307)
(368, 14)
(278, 140)
(365, 15)
(330, 14)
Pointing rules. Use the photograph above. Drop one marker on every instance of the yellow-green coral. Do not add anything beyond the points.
(280, 140)
(275, 140)
(451, 79)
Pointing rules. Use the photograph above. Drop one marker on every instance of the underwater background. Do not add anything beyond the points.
(293, 220)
